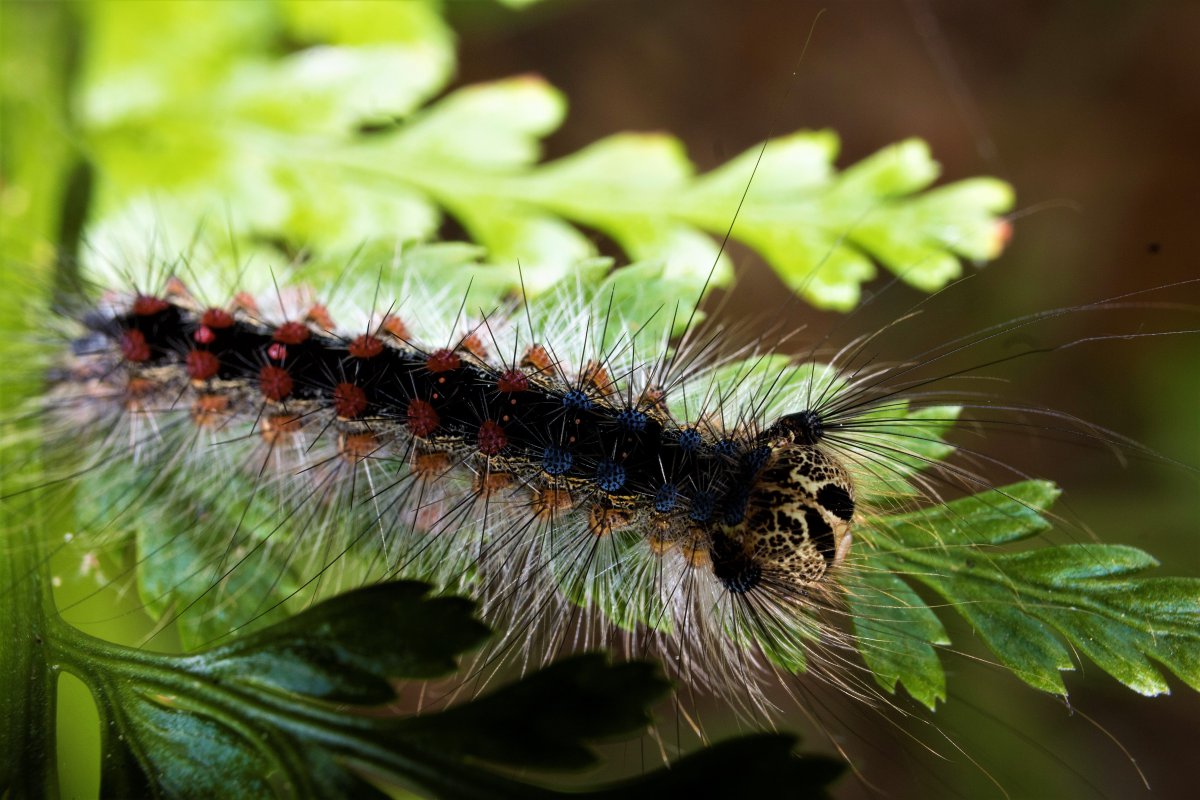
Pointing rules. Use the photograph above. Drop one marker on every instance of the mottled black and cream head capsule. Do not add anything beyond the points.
(797, 520)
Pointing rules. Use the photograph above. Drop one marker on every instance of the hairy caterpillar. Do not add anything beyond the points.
(229, 563)
(685, 507)
(535, 472)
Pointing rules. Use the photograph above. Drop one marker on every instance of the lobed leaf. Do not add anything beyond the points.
(895, 632)
(295, 710)
(191, 112)
(1033, 608)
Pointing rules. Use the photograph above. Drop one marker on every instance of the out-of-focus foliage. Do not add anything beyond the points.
(305, 125)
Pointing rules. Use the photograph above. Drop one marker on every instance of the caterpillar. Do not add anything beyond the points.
(695, 508)
(277, 495)
(516, 462)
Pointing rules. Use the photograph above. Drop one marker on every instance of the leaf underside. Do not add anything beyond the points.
(1032, 608)
(299, 709)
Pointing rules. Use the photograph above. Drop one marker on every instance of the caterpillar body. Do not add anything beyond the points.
(715, 512)
(515, 476)
(705, 510)
(237, 452)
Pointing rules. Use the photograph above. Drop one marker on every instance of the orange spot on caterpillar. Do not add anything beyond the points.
(395, 327)
(176, 288)
(291, 333)
(366, 346)
(145, 305)
(275, 382)
(140, 387)
(245, 302)
(546, 503)
(443, 361)
(474, 345)
(654, 398)
(349, 400)
(217, 319)
(422, 418)
(603, 520)
(280, 426)
(492, 438)
(319, 315)
(492, 482)
(355, 447)
(596, 376)
(136, 389)
(695, 549)
(430, 465)
(659, 537)
(209, 409)
(202, 365)
(512, 381)
(134, 347)
(536, 358)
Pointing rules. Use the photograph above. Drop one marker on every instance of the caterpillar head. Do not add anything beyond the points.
(798, 512)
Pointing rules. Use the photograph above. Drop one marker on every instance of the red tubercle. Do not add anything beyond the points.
(275, 382)
(145, 305)
(134, 347)
(204, 335)
(443, 361)
(422, 418)
(291, 333)
(366, 346)
(512, 381)
(277, 351)
(202, 365)
(349, 401)
(217, 319)
(492, 438)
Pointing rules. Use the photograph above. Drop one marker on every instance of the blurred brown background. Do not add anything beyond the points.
(1091, 110)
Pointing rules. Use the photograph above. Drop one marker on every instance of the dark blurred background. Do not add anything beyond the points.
(1091, 110)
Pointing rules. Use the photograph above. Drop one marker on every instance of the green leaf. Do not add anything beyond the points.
(895, 632)
(333, 651)
(294, 709)
(190, 107)
(196, 118)
(890, 444)
(594, 700)
(1029, 606)
(184, 575)
(994, 517)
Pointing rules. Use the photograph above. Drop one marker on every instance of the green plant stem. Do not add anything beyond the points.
(27, 765)
(115, 674)
(37, 47)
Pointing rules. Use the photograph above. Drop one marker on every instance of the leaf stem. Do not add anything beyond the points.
(27, 693)
(37, 153)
